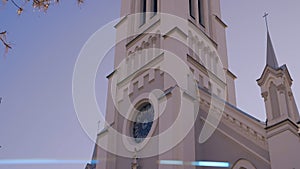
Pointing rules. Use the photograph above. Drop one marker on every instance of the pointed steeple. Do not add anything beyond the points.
(275, 83)
(282, 124)
(271, 57)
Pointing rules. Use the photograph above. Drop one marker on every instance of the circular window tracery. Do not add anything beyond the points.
(142, 122)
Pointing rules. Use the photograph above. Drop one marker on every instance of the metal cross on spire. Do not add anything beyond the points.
(271, 57)
(266, 19)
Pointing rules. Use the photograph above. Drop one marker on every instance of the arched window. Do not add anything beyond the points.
(274, 101)
(142, 122)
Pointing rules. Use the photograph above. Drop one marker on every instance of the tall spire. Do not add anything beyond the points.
(271, 57)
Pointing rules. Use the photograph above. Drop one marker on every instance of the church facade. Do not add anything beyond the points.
(171, 99)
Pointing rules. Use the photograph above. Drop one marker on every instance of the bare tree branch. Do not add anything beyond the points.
(42, 5)
(5, 43)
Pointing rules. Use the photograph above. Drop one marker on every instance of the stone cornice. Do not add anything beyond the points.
(285, 125)
(281, 71)
(248, 127)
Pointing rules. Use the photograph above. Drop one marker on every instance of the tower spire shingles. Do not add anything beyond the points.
(271, 57)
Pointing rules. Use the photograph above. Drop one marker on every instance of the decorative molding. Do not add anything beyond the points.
(245, 146)
(281, 88)
(201, 32)
(281, 127)
(126, 87)
(245, 130)
(149, 64)
(279, 73)
(205, 71)
(290, 94)
(237, 125)
(137, 34)
(265, 95)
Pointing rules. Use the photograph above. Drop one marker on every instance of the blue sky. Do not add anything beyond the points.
(37, 117)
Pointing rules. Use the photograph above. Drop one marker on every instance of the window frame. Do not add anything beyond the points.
(201, 13)
(192, 10)
(154, 7)
(143, 10)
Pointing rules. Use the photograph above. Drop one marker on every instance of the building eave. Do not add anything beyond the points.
(220, 21)
(231, 74)
(111, 74)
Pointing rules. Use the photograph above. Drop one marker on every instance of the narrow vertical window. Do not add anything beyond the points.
(143, 11)
(200, 12)
(192, 8)
(154, 7)
(274, 101)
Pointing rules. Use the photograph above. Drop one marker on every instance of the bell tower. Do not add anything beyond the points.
(275, 84)
(203, 18)
(282, 113)
(165, 52)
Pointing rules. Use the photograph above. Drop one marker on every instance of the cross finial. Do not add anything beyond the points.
(266, 19)
(134, 164)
